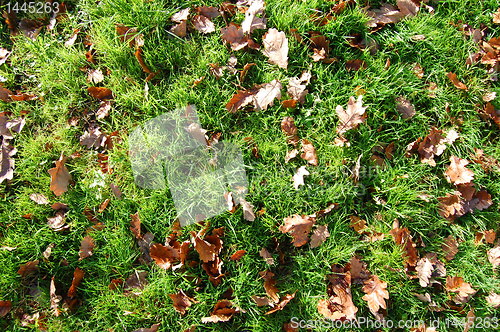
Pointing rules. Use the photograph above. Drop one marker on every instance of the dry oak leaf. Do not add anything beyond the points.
(58, 222)
(203, 24)
(5, 307)
(28, 268)
(100, 93)
(222, 312)
(268, 258)
(451, 206)
(339, 305)
(270, 285)
(276, 47)
(260, 97)
(93, 138)
(234, 35)
(282, 303)
(59, 177)
(135, 225)
(494, 256)
(95, 76)
(309, 152)
(181, 15)
(153, 328)
(238, 255)
(7, 151)
(385, 15)
(206, 250)
(248, 213)
(164, 256)
(375, 295)
(54, 298)
(351, 117)
(181, 302)
(496, 16)
(290, 130)
(297, 87)
(298, 177)
(456, 173)
(86, 247)
(462, 289)
(403, 238)
(251, 21)
(39, 199)
(453, 78)
(493, 299)
(299, 227)
(450, 247)
(319, 235)
(424, 269)
(404, 107)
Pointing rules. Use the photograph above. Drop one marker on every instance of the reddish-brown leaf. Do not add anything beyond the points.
(376, 295)
(28, 268)
(59, 177)
(463, 290)
(238, 255)
(309, 152)
(456, 173)
(223, 312)
(135, 225)
(5, 307)
(181, 302)
(450, 247)
(288, 127)
(299, 227)
(86, 247)
(100, 93)
(453, 78)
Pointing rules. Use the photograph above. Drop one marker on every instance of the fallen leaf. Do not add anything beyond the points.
(290, 130)
(297, 87)
(268, 258)
(319, 235)
(281, 304)
(276, 47)
(403, 238)
(28, 268)
(206, 250)
(309, 152)
(153, 328)
(238, 255)
(270, 285)
(248, 213)
(358, 224)
(100, 93)
(404, 107)
(75, 283)
(424, 269)
(130, 35)
(181, 302)
(58, 222)
(222, 312)
(164, 256)
(7, 151)
(235, 37)
(450, 247)
(351, 117)
(291, 154)
(95, 76)
(299, 227)
(54, 299)
(210, 12)
(375, 295)
(419, 71)
(492, 299)
(260, 97)
(5, 307)
(136, 280)
(456, 173)
(355, 65)
(59, 177)
(180, 29)
(453, 78)
(86, 247)
(203, 24)
(298, 177)
(494, 256)
(135, 225)
(463, 290)
(339, 305)
(48, 251)
(181, 15)
(252, 21)
(39, 199)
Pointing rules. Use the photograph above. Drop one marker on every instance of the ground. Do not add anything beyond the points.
(46, 68)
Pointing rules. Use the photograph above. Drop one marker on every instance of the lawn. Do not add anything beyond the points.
(394, 209)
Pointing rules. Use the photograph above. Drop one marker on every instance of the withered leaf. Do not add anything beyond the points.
(237, 255)
(319, 235)
(297, 87)
(492, 299)
(281, 304)
(210, 12)
(206, 250)
(59, 177)
(248, 213)
(136, 280)
(453, 78)
(28, 268)
(130, 35)
(276, 47)
(5, 307)
(203, 24)
(355, 65)
(153, 328)
(95, 76)
(451, 206)
(358, 224)
(86, 247)
(424, 269)
(375, 295)
(39, 199)
(450, 247)
(270, 285)
(299, 227)
(339, 305)
(456, 173)
(77, 279)
(309, 152)
(235, 37)
(463, 290)
(298, 177)
(288, 127)
(164, 256)
(404, 107)
(403, 238)
(180, 16)
(260, 97)
(58, 222)
(54, 299)
(181, 302)
(268, 258)
(494, 256)
(252, 21)
(223, 312)
(100, 93)
(351, 117)
(6, 161)
(93, 138)
(135, 225)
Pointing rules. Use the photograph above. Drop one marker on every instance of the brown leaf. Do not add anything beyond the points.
(252, 21)
(136, 280)
(210, 12)
(320, 234)
(206, 250)
(424, 269)
(462, 289)
(238, 255)
(281, 304)
(203, 24)
(270, 285)
(77, 279)
(358, 270)
(451, 206)
(309, 152)
(298, 227)
(181, 302)
(86, 247)
(54, 299)
(387, 14)
(403, 238)
(456, 173)
(492, 299)
(290, 130)
(180, 29)
(103, 205)
(268, 258)
(298, 177)
(181, 15)
(262, 301)
(339, 305)
(93, 138)
(58, 222)
(355, 65)
(235, 37)
(494, 256)
(153, 328)
(375, 295)
(100, 93)
(28, 268)
(59, 177)
(450, 247)
(135, 225)
(5, 307)
(419, 71)
(130, 35)
(164, 256)
(351, 117)
(39, 199)
(404, 107)
(248, 213)
(222, 312)
(95, 76)
(244, 71)
(260, 97)
(453, 78)
(358, 224)
(297, 87)
(276, 47)
(7, 151)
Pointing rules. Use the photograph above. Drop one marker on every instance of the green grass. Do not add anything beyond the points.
(46, 68)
